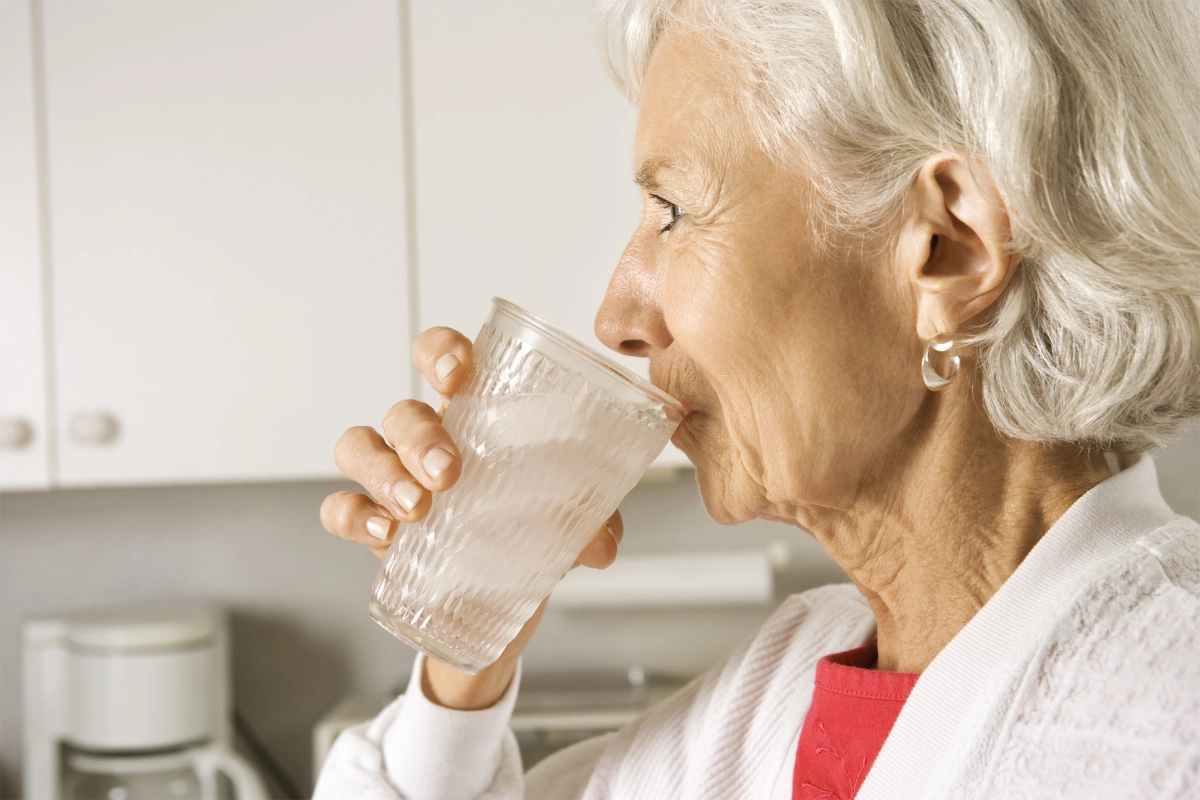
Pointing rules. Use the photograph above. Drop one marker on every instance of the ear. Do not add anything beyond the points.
(954, 245)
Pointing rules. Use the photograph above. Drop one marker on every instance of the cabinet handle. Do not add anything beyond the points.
(15, 433)
(94, 428)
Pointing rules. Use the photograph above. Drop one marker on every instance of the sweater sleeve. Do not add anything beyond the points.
(417, 750)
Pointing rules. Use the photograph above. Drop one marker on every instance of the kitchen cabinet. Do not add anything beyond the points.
(207, 218)
(24, 443)
(226, 207)
(523, 165)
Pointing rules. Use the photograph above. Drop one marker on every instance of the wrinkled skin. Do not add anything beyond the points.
(799, 365)
(798, 358)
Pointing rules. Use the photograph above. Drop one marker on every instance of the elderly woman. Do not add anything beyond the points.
(926, 275)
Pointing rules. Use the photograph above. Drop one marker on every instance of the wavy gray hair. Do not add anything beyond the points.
(1087, 114)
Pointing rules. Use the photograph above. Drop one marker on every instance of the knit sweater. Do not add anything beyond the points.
(1079, 678)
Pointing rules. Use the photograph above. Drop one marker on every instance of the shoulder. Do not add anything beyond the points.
(782, 654)
(1139, 615)
(751, 703)
(1147, 595)
(813, 617)
(784, 649)
(1112, 697)
(1175, 549)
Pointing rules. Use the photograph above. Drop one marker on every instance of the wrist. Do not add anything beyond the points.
(447, 687)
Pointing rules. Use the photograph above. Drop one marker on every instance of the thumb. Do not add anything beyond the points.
(602, 550)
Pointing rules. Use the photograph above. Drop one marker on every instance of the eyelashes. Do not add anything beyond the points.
(673, 208)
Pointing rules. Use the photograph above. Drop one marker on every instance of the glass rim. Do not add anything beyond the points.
(595, 359)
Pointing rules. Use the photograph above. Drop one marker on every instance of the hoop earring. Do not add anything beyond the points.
(933, 381)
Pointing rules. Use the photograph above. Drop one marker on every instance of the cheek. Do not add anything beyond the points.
(734, 305)
(690, 294)
(730, 492)
(712, 322)
(711, 306)
(804, 368)
(852, 393)
(718, 327)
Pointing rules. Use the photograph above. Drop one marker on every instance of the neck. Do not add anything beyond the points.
(931, 537)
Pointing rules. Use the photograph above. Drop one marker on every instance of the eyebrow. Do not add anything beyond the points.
(646, 174)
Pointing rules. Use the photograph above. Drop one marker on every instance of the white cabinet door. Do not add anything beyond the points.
(226, 190)
(523, 164)
(24, 448)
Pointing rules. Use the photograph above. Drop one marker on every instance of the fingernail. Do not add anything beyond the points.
(436, 461)
(379, 527)
(407, 494)
(445, 365)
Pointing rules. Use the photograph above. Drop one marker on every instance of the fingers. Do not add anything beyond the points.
(443, 355)
(602, 550)
(424, 447)
(363, 456)
(355, 518)
(423, 457)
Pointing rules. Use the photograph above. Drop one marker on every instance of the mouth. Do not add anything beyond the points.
(682, 436)
(689, 411)
(684, 403)
(663, 378)
(689, 415)
(689, 407)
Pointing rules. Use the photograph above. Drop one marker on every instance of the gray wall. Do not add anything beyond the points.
(301, 636)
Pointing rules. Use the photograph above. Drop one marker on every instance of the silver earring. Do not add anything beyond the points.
(933, 381)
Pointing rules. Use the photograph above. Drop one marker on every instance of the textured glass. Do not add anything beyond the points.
(548, 454)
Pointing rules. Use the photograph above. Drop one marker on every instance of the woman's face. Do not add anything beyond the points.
(799, 365)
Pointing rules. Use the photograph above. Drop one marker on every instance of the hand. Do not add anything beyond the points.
(400, 479)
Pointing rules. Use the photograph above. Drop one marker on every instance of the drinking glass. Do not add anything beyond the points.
(552, 436)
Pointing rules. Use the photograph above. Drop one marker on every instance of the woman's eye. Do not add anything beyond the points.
(672, 209)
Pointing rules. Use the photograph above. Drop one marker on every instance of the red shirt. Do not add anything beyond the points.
(853, 710)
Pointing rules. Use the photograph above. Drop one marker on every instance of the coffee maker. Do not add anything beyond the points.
(131, 704)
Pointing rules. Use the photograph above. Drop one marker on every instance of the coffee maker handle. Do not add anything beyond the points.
(247, 784)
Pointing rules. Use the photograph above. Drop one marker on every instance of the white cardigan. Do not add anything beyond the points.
(1080, 678)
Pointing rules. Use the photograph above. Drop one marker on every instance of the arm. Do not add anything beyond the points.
(446, 736)
(419, 750)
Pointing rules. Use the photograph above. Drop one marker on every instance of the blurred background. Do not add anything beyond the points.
(221, 224)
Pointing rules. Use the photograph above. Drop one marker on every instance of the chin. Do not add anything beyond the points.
(729, 496)
(722, 500)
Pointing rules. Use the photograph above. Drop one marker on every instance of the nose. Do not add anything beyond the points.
(630, 319)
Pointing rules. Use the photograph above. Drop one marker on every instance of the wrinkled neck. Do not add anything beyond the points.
(944, 520)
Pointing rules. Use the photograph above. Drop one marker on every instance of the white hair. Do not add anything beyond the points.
(1087, 113)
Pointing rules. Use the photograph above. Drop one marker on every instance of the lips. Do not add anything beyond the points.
(686, 404)
(688, 410)
(683, 437)
(660, 376)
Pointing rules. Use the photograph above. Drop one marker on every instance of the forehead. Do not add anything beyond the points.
(689, 106)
